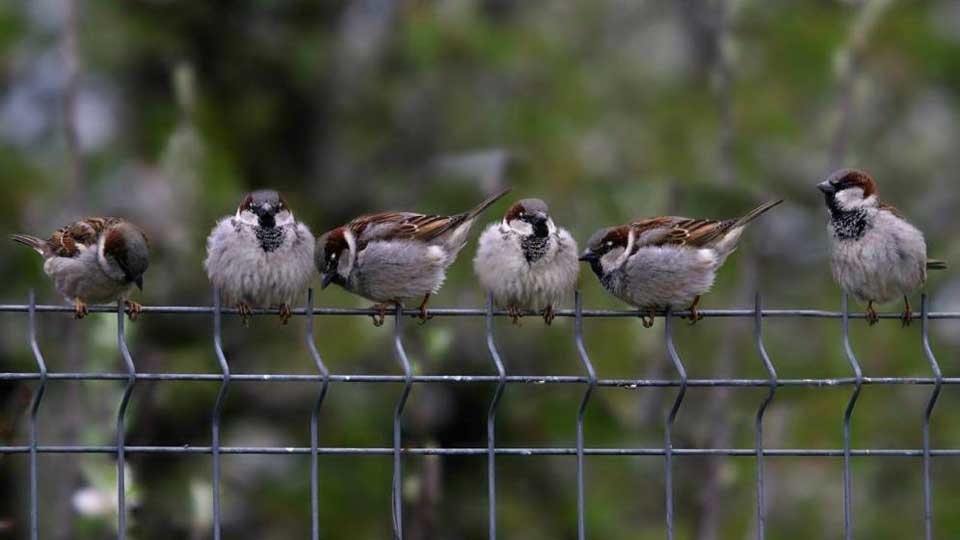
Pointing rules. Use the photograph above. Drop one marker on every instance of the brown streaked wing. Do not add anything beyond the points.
(399, 225)
(680, 231)
(66, 241)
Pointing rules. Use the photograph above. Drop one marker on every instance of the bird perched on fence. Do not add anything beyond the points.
(391, 257)
(877, 255)
(665, 262)
(261, 256)
(526, 262)
(94, 260)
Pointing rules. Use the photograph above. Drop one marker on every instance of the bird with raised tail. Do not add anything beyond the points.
(526, 262)
(665, 262)
(392, 257)
(94, 260)
(877, 256)
(261, 256)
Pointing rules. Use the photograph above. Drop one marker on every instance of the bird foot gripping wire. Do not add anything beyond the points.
(907, 318)
(647, 318)
(549, 315)
(515, 313)
(285, 313)
(80, 309)
(695, 314)
(246, 313)
(872, 316)
(379, 314)
(132, 309)
(424, 315)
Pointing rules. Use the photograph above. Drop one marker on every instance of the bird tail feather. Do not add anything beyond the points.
(935, 264)
(756, 212)
(485, 204)
(37, 244)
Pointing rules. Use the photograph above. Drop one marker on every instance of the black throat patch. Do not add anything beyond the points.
(534, 247)
(849, 225)
(270, 238)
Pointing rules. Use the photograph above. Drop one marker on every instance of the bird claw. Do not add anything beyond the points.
(549, 315)
(80, 309)
(647, 318)
(907, 318)
(246, 313)
(132, 309)
(515, 314)
(380, 314)
(424, 314)
(695, 314)
(285, 313)
(872, 316)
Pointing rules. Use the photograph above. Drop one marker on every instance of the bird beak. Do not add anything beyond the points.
(327, 278)
(139, 282)
(539, 223)
(826, 187)
(588, 256)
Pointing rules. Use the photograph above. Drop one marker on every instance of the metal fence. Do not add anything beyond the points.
(589, 381)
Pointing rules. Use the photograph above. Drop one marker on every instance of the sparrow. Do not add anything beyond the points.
(665, 262)
(877, 256)
(526, 262)
(261, 256)
(391, 257)
(94, 260)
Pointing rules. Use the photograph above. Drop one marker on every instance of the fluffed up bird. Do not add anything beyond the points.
(391, 257)
(261, 256)
(94, 260)
(877, 255)
(526, 262)
(665, 262)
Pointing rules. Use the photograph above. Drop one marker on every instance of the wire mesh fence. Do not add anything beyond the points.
(588, 380)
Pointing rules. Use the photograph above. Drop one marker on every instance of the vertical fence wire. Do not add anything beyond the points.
(581, 412)
(218, 409)
(121, 428)
(397, 493)
(771, 392)
(34, 409)
(931, 403)
(314, 421)
(671, 417)
(492, 422)
(847, 415)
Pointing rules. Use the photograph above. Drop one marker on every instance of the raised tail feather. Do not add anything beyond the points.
(37, 244)
(485, 204)
(458, 219)
(934, 264)
(756, 212)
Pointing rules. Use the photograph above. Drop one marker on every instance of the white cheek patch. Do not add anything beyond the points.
(852, 198)
(283, 218)
(344, 264)
(612, 259)
(248, 218)
(551, 228)
(521, 227)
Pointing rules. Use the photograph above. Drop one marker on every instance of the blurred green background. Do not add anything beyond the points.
(167, 111)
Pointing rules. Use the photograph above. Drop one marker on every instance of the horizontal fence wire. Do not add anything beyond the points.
(589, 380)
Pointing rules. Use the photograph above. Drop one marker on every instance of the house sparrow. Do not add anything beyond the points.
(261, 256)
(94, 260)
(526, 261)
(394, 256)
(665, 262)
(877, 256)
